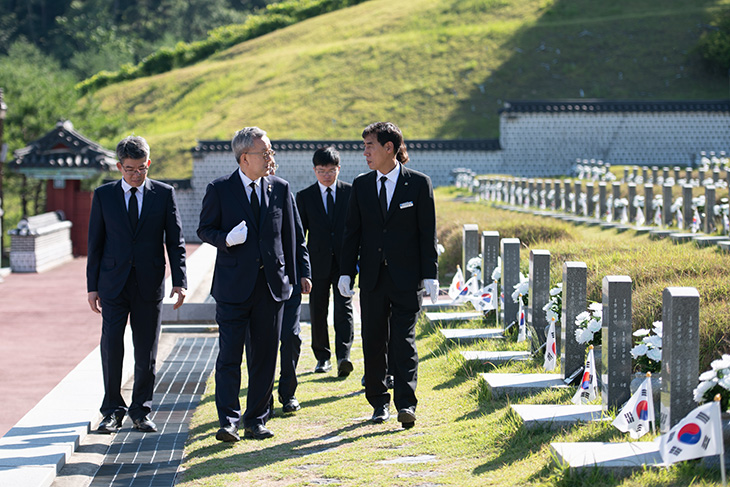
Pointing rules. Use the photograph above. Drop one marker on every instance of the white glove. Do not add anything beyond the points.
(344, 287)
(432, 289)
(237, 235)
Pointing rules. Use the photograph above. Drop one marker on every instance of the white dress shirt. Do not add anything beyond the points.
(389, 184)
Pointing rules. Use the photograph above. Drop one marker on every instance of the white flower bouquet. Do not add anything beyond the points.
(588, 325)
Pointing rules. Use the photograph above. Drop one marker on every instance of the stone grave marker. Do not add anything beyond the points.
(470, 248)
(572, 353)
(538, 295)
(632, 208)
(680, 353)
(648, 198)
(708, 224)
(602, 200)
(616, 193)
(577, 191)
(667, 216)
(590, 204)
(490, 255)
(687, 212)
(616, 341)
(510, 277)
(567, 188)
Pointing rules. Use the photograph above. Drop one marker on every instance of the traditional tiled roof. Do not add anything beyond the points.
(61, 148)
(597, 106)
(356, 145)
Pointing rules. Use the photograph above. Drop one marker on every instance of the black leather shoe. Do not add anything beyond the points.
(257, 432)
(110, 424)
(145, 425)
(381, 414)
(344, 367)
(407, 417)
(228, 433)
(291, 405)
(389, 381)
(323, 366)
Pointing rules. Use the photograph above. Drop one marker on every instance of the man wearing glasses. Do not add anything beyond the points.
(249, 217)
(131, 224)
(323, 206)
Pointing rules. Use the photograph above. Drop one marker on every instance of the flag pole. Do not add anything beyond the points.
(496, 306)
(651, 393)
(722, 455)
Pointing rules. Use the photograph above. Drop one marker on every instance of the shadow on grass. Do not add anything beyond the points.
(245, 461)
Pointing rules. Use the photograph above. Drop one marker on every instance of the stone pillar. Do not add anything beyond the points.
(626, 174)
(688, 174)
(577, 191)
(470, 247)
(665, 173)
(708, 224)
(530, 189)
(567, 188)
(590, 205)
(677, 170)
(687, 212)
(490, 255)
(701, 175)
(680, 353)
(601, 200)
(632, 208)
(645, 174)
(648, 198)
(572, 353)
(654, 174)
(715, 175)
(616, 341)
(510, 277)
(667, 216)
(616, 193)
(539, 295)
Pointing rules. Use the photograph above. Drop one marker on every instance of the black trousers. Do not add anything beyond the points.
(343, 321)
(389, 318)
(291, 346)
(259, 319)
(144, 318)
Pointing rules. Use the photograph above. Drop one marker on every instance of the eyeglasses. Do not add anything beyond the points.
(132, 170)
(322, 172)
(266, 154)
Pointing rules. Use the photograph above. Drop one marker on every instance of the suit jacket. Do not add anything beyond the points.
(113, 248)
(271, 242)
(406, 238)
(323, 238)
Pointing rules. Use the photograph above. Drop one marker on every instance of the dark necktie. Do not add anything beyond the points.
(330, 205)
(383, 196)
(255, 203)
(133, 208)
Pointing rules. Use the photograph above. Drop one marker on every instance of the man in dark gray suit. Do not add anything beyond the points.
(249, 217)
(323, 206)
(391, 228)
(131, 224)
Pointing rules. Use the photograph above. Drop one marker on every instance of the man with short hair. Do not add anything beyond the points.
(323, 206)
(249, 217)
(391, 230)
(132, 222)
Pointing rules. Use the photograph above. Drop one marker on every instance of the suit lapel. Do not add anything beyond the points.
(148, 198)
(340, 202)
(318, 203)
(122, 205)
(239, 193)
(401, 187)
(265, 198)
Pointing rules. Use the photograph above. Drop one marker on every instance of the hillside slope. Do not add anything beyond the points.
(438, 68)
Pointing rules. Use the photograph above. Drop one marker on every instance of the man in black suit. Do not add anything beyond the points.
(131, 224)
(391, 227)
(249, 217)
(323, 207)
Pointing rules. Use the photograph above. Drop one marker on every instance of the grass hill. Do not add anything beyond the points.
(438, 68)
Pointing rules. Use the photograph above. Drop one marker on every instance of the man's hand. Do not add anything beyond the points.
(94, 302)
(343, 285)
(432, 289)
(237, 235)
(306, 285)
(180, 291)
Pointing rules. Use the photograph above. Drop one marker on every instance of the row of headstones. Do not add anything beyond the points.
(680, 317)
(566, 195)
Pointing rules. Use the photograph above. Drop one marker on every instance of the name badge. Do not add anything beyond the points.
(405, 205)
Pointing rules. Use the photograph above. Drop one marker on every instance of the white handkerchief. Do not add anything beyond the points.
(405, 205)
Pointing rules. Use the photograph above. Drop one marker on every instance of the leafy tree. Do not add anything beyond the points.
(714, 45)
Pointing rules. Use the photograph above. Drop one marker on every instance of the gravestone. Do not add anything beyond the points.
(601, 200)
(708, 225)
(701, 175)
(470, 245)
(665, 173)
(572, 353)
(626, 174)
(590, 205)
(677, 170)
(635, 170)
(577, 191)
(632, 197)
(654, 174)
(616, 193)
(538, 295)
(530, 193)
(716, 175)
(645, 174)
(510, 277)
(687, 212)
(648, 199)
(567, 188)
(688, 174)
(680, 353)
(616, 341)
(538, 189)
(490, 255)
(667, 216)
